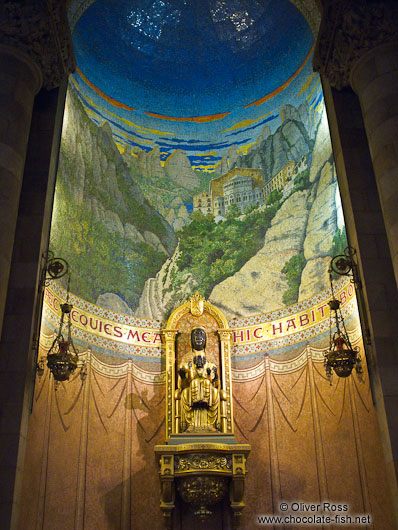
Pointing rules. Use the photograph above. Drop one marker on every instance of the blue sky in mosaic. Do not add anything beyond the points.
(192, 74)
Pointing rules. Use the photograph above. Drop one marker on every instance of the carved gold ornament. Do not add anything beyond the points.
(201, 492)
(203, 461)
(196, 304)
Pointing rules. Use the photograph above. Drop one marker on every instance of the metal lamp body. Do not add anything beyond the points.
(63, 363)
(341, 358)
(62, 358)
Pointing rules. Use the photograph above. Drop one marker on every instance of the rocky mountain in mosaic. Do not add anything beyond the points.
(285, 262)
(167, 187)
(322, 220)
(292, 140)
(293, 263)
(177, 168)
(260, 284)
(139, 250)
(117, 236)
(159, 298)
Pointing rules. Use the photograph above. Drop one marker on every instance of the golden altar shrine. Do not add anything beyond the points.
(201, 460)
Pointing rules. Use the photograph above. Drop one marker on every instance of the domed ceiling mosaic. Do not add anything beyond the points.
(195, 155)
(195, 75)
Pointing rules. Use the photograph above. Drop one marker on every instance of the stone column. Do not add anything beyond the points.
(374, 77)
(20, 80)
(366, 233)
(352, 35)
(358, 46)
(35, 49)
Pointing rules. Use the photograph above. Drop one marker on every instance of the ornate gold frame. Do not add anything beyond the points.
(197, 305)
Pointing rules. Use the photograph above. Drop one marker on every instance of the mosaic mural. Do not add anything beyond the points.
(195, 154)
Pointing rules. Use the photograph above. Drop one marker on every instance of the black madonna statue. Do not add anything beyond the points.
(198, 393)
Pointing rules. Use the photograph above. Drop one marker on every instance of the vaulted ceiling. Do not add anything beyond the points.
(191, 74)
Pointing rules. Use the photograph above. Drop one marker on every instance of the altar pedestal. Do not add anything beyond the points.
(203, 474)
